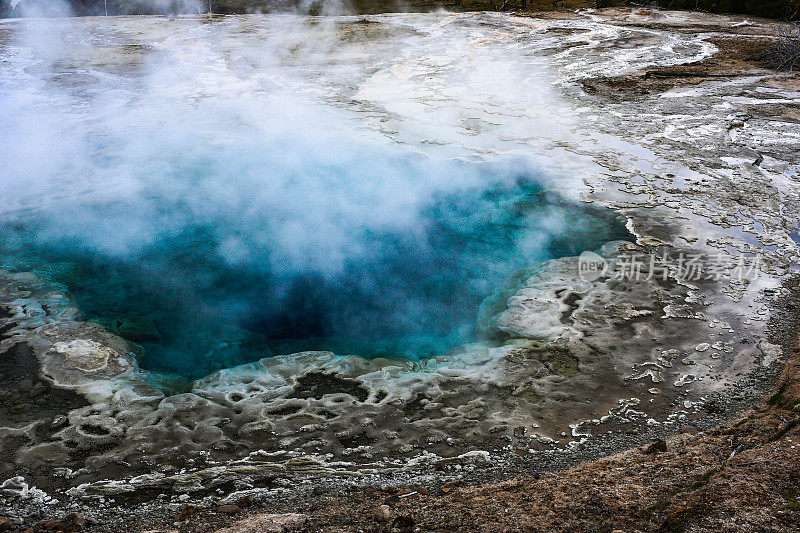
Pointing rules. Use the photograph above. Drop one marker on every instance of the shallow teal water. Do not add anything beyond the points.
(216, 209)
(411, 289)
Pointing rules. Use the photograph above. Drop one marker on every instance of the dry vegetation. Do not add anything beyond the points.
(785, 53)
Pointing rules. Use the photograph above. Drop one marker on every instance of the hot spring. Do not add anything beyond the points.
(225, 290)
(216, 205)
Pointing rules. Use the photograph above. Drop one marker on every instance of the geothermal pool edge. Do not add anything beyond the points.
(124, 443)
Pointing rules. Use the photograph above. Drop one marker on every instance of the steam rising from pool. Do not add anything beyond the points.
(216, 204)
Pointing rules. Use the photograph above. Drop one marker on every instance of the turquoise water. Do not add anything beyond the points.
(392, 285)
(215, 202)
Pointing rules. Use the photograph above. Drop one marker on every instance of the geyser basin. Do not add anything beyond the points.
(346, 158)
(207, 292)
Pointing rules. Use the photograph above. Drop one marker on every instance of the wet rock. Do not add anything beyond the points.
(657, 446)
(37, 389)
(738, 120)
(229, 509)
(59, 422)
(382, 514)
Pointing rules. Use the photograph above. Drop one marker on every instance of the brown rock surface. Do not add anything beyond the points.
(267, 523)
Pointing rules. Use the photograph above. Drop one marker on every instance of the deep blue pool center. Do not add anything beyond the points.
(188, 310)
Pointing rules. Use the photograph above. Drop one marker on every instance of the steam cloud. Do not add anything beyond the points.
(244, 200)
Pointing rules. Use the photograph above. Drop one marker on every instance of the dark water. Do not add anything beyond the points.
(406, 290)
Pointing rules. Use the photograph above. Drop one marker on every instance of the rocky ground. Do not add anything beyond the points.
(718, 112)
(742, 476)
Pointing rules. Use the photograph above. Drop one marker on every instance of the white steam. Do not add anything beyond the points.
(328, 160)
(195, 131)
